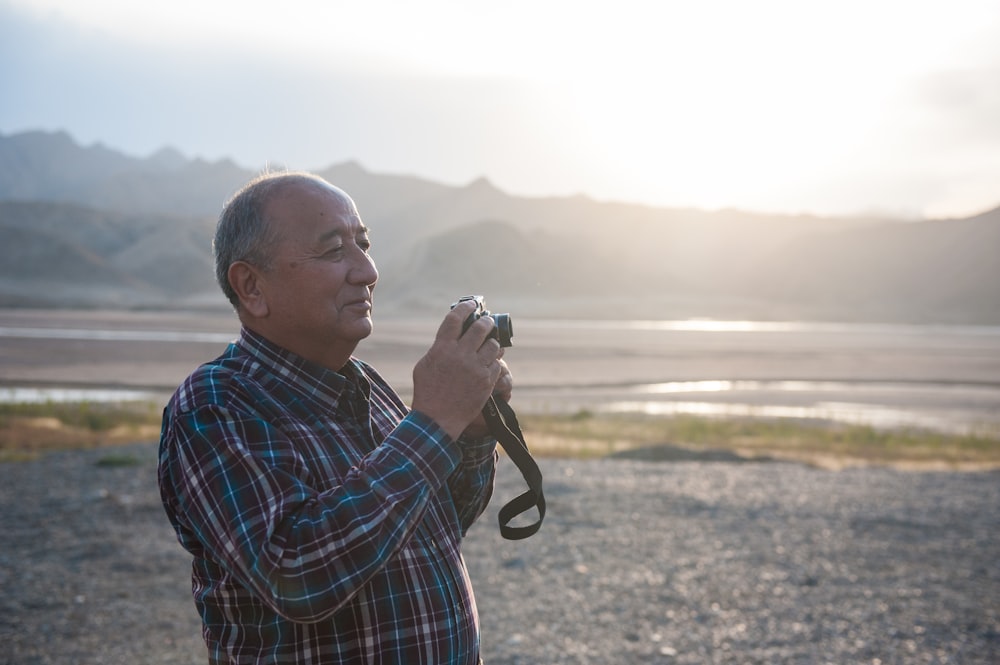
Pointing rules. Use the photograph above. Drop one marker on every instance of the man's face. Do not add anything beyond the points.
(321, 279)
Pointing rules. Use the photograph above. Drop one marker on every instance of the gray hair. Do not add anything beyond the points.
(243, 232)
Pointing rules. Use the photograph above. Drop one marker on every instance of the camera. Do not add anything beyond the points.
(503, 330)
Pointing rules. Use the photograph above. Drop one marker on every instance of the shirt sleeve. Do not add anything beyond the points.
(236, 484)
(471, 484)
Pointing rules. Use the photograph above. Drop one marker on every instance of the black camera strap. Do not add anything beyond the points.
(504, 426)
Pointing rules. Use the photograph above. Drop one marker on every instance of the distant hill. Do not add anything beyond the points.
(67, 255)
(92, 227)
(940, 270)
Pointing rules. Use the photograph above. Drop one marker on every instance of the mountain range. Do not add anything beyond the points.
(89, 226)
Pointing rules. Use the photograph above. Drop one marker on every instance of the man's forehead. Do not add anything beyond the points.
(308, 190)
(309, 201)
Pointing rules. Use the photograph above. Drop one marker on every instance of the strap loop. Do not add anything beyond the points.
(504, 426)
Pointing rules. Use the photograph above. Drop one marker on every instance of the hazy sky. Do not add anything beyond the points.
(790, 105)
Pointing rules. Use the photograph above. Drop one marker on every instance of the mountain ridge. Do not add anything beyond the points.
(145, 225)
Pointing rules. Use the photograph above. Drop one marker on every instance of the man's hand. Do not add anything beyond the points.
(503, 389)
(453, 380)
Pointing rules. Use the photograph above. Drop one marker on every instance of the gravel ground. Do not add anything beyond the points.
(637, 562)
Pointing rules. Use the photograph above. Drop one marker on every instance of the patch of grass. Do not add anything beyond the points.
(822, 443)
(92, 416)
(29, 430)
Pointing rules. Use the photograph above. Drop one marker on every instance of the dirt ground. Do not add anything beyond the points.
(637, 562)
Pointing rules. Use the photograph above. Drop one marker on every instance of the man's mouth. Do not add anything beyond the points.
(363, 304)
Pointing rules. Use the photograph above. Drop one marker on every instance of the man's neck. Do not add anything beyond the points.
(333, 357)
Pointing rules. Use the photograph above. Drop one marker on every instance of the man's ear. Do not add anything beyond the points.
(246, 282)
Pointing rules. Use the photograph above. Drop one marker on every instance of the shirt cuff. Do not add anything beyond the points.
(477, 450)
(427, 446)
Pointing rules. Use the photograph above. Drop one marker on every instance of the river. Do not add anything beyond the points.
(938, 377)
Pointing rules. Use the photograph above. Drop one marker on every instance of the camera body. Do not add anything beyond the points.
(503, 329)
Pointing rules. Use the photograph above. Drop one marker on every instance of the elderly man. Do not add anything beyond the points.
(323, 516)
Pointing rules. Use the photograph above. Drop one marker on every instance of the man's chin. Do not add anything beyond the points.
(364, 327)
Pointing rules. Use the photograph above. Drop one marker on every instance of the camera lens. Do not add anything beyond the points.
(504, 329)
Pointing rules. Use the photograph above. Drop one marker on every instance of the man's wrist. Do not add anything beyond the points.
(475, 433)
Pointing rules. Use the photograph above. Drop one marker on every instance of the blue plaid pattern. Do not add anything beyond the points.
(324, 518)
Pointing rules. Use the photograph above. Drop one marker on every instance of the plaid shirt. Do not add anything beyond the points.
(325, 520)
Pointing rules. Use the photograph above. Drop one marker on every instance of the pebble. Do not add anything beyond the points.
(636, 562)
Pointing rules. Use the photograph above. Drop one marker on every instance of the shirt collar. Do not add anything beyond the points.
(304, 375)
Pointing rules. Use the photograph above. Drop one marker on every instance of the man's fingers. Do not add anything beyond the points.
(504, 386)
(496, 371)
(478, 333)
(490, 351)
(451, 326)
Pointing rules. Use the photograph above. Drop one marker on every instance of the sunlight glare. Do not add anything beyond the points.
(712, 104)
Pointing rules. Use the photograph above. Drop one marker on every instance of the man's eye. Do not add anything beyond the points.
(365, 244)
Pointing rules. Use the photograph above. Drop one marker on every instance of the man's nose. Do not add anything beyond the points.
(364, 271)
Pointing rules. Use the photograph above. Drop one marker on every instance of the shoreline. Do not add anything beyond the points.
(567, 368)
